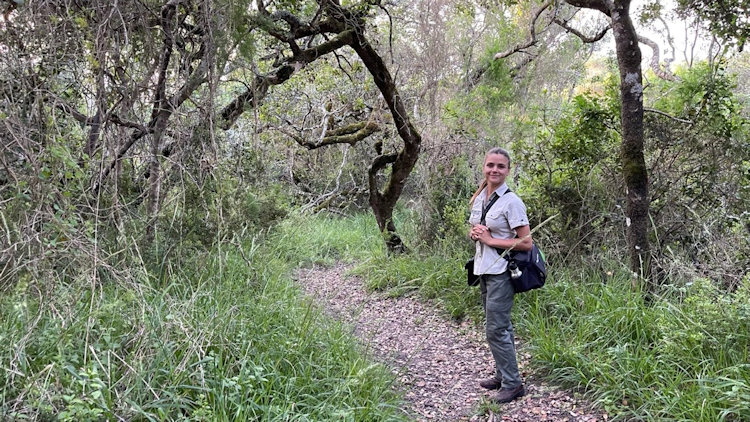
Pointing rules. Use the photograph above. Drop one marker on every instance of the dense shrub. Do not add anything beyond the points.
(697, 152)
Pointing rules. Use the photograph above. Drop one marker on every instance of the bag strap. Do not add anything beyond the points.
(494, 197)
(500, 251)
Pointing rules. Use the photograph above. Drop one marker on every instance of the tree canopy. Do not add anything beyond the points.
(337, 104)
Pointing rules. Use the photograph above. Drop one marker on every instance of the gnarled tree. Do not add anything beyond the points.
(298, 42)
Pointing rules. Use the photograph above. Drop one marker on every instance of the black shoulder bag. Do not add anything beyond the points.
(527, 269)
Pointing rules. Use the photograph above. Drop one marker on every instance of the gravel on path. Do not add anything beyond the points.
(438, 361)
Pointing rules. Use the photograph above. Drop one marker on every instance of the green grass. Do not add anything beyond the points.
(684, 355)
(225, 337)
(309, 240)
(441, 280)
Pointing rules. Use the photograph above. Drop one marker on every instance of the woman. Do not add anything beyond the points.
(505, 226)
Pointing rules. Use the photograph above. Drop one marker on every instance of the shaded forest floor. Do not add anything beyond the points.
(438, 361)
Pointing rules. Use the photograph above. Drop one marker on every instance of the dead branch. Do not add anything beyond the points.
(532, 34)
(325, 199)
(655, 66)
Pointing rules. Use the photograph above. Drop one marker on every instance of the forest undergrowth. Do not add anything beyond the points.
(677, 354)
(154, 179)
(225, 335)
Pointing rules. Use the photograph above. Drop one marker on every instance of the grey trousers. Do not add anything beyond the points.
(497, 298)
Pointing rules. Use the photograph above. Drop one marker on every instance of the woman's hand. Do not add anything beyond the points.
(480, 233)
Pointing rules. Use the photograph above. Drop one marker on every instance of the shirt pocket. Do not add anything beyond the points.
(495, 220)
(494, 215)
(475, 216)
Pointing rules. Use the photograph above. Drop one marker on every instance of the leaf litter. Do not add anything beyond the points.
(437, 361)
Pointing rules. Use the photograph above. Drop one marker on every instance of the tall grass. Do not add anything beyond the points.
(308, 240)
(225, 337)
(442, 280)
(433, 270)
(682, 355)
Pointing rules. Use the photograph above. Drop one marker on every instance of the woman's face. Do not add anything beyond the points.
(496, 169)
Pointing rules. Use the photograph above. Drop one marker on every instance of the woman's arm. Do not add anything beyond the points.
(522, 242)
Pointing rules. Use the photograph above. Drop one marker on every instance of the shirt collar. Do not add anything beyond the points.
(500, 191)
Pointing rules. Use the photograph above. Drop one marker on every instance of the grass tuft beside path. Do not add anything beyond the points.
(226, 337)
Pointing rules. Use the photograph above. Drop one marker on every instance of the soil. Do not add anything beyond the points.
(438, 361)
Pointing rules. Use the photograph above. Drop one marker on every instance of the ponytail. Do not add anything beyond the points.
(479, 190)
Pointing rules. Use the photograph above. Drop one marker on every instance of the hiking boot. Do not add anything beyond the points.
(491, 383)
(506, 395)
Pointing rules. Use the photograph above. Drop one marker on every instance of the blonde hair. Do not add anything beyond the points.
(492, 151)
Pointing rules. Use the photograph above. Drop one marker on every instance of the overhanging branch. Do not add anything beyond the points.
(350, 134)
(532, 34)
(585, 38)
(665, 114)
(279, 75)
(474, 77)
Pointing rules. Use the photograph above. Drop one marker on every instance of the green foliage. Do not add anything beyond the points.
(681, 357)
(727, 19)
(584, 135)
(88, 401)
(571, 170)
(697, 183)
(224, 337)
(221, 206)
(698, 186)
(45, 210)
(324, 240)
(467, 113)
(704, 94)
(496, 88)
(448, 187)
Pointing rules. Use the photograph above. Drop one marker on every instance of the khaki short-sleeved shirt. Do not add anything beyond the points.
(506, 214)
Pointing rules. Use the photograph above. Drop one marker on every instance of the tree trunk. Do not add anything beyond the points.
(349, 25)
(154, 188)
(384, 202)
(633, 162)
(383, 211)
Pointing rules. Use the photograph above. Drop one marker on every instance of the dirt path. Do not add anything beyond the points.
(438, 361)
